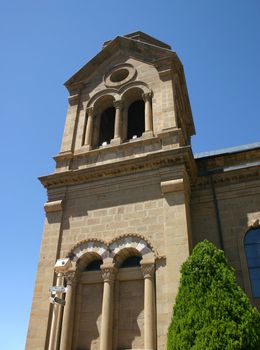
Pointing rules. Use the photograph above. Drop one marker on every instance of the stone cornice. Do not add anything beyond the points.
(167, 66)
(151, 161)
(224, 178)
(74, 99)
(83, 152)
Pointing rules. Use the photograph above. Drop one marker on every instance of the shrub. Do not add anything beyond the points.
(211, 311)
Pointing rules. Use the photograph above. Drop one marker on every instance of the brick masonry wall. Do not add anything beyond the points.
(239, 208)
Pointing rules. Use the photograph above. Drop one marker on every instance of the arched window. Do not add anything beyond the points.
(94, 265)
(107, 123)
(131, 261)
(252, 249)
(88, 302)
(136, 125)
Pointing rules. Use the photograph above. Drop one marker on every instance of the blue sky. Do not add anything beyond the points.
(44, 42)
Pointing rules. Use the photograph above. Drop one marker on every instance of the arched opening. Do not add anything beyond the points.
(94, 265)
(107, 123)
(252, 250)
(135, 119)
(130, 288)
(88, 302)
(131, 261)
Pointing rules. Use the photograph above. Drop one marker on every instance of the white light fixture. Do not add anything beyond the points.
(104, 143)
(62, 265)
(134, 137)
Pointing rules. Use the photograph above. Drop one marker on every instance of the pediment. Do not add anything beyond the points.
(125, 47)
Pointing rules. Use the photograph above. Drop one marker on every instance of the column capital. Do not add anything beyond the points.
(118, 103)
(90, 111)
(70, 277)
(147, 270)
(108, 272)
(147, 96)
(58, 274)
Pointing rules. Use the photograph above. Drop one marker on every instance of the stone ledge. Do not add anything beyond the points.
(156, 160)
(172, 186)
(51, 207)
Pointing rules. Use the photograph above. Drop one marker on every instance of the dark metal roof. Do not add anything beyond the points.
(228, 150)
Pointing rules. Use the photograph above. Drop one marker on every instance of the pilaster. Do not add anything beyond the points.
(177, 231)
(39, 325)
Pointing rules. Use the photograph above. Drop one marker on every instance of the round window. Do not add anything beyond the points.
(119, 75)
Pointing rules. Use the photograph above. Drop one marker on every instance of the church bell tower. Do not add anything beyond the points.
(117, 225)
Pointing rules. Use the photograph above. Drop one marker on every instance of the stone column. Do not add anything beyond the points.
(56, 318)
(124, 124)
(118, 122)
(89, 128)
(108, 274)
(67, 324)
(149, 305)
(147, 97)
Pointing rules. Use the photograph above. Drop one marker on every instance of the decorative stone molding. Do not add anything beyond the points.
(254, 223)
(147, 269)
(132, 85)
(51, 207)
(120, 75)
(113, 251)
(165, 67)
(74, 99)
(118, 104)
(70, 277)
(90, 111)
(172, 186)
(131, 241)
(94, 246)
(108, 272)
(147, 96)
(63, 156)
(94, 100)
(235, 176)
(148, 161)
(134, 236)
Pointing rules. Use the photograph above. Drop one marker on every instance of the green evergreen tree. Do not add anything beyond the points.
(211, 311)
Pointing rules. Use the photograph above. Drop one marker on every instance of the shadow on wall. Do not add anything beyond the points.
(130, 320)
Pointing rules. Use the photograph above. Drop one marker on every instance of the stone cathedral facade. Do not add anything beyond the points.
(128, 200)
